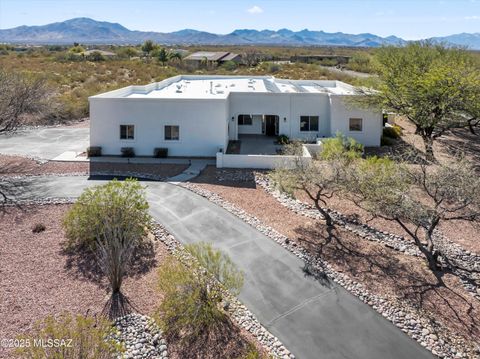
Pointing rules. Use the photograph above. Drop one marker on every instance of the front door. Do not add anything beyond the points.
(271, 125)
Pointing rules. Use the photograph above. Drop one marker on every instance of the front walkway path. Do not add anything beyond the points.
(314, 321)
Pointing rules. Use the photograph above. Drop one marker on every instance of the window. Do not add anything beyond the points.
(245, 120)
(127, 132)
(308, 123)
(355, 124)
(172, 133)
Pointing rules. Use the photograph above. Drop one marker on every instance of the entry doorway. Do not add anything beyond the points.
(271, 124)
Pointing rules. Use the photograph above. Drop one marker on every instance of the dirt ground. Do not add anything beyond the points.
(380, 269)
(17, 165)
(39, 278)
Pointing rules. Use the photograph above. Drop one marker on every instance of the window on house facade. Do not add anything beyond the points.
(355, 124)
(172, 133)
(127, 132)
(245, 120)
(309, 123)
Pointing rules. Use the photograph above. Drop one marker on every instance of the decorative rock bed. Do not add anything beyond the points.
(455, 253)
(414, 322)
(141, 337)
(236, 310)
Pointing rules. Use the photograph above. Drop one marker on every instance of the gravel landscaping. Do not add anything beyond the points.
(21, 166)
(400, 280)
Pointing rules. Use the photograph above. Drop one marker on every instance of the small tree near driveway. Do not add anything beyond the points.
(111, 220)
(417, 197)
(321, 178)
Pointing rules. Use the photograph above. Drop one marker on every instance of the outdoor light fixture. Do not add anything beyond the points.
(284, 119)
(233, 118)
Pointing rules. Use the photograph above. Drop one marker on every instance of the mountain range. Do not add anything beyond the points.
(89, 31)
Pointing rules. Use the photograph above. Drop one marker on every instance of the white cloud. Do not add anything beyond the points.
(473, 17)
(255, 10)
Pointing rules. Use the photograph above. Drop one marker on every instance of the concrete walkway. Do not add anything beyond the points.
(314, 321)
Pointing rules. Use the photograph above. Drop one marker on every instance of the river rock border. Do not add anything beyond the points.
(237, 311)
(141, 337)
(414, 322)
(454, 252)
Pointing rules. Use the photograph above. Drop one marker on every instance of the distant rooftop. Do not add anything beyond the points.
(211, 56)
(220, 87)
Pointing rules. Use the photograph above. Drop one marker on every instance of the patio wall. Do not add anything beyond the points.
(261, 161)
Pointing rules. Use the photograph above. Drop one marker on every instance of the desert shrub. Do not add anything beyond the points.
(127, 152)
(96, 56)
(230, 65)
(293, 148)
(38, 227)
(273, 68)
(394, 131)
(69, 337)
(160, 152)
(217, 264)
(111, 220)
(340, 146)
(283, 140)
(191, 296)
(94, 151)
(190, 304)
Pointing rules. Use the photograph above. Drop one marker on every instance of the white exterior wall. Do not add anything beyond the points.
(340, 114)
(309, 105)
(203, 125)
(260, 104)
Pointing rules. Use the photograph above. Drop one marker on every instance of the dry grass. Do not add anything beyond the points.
(380, 269)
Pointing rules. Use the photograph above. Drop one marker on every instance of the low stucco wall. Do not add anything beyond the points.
(261, 161)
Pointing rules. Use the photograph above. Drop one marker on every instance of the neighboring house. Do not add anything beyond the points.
(199, 115)
(217, 58)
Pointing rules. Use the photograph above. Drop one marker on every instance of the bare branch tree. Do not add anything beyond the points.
(20, 95)
(417, 197)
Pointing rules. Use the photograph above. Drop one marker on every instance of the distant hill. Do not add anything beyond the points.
(89, 31)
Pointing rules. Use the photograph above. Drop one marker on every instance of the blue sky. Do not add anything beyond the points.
(410, 19)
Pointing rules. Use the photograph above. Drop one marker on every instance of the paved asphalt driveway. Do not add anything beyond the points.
(44, 143)
(314, 321)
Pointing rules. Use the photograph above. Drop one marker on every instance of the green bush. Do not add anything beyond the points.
(283, 140)
(393, 132)
(69, 337)
(230, 65)
(340, 146)
(190, 304)
(218, 264)
(192, 296)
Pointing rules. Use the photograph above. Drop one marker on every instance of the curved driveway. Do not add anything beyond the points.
(314, 321)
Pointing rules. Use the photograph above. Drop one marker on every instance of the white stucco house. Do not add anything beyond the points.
(198, 115)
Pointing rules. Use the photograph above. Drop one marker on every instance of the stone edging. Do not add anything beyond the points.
(237, 311)
(452, 250)
(141, 336)
(415, 323)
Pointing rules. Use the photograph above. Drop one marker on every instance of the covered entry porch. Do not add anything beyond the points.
(258, 124)
(251, 144)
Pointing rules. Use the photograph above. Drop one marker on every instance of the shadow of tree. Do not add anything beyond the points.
(81, 262)
(410, 279)
(221, 340)
(462, 141)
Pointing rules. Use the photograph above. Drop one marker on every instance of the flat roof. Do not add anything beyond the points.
(219, 87)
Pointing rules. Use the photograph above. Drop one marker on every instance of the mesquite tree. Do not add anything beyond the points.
(431, 85)
(417, 197)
